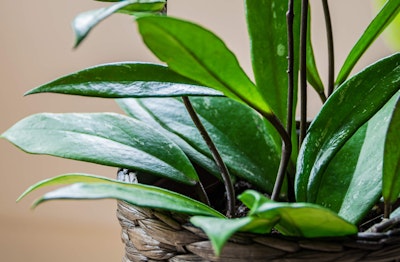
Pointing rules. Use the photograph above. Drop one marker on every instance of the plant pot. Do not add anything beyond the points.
(151, 235)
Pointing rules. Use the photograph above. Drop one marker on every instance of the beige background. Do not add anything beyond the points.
(36, 47)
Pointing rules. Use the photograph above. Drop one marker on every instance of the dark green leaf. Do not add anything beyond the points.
(95, 187)
(127, 79)
(86, 21)
(375, 28)
(219, 230)
(266, 20)
(341, 116)
(239, 133)
(312, 71)
(298, 219)
(363, 154)
(107, 139)
(391, 158)
(198, 54)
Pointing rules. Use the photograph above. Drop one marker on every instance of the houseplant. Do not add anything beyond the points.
(347, 160)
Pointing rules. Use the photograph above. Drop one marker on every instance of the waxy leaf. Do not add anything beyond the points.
(266, 20)
(340, 185)
(267, 28)
(298, 219)
(86, 186)
(375, 28)
(238, 132)
(391, 158)
(219, 230)
(127, 79)
(312, 71)
(341, 116)
(103, 138)
(86, 21)
(198, 54)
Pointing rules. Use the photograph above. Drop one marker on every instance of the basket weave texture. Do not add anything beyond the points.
(151, 235)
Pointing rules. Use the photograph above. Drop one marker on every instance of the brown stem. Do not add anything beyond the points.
(230, 193)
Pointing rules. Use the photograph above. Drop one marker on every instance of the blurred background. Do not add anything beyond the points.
(36, 47)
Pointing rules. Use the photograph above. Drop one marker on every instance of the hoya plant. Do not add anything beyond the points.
(204, 139)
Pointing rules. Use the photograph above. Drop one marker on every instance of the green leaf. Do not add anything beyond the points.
(266, 20)
(312, 71)
(298, 219)
(238, 132)
(340, 185)
(126, 79)
(94, 187)
(85, 22)
(219, 230)
(341, 116)
(395, 213)
(103, 138)
(374, 29)
(198, 54)
(391, 158)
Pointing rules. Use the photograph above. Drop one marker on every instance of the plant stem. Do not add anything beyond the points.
(303, 70)
(387, 209)
(285, 158)
(331, 55)
(230, 193)
(290, 72)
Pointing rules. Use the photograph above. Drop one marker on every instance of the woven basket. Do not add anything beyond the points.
(151, 235)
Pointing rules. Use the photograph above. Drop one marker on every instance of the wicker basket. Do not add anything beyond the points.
(151, 235)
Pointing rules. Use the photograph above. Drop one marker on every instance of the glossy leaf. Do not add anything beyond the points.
(374, 29)
(198, 54)
(341, 116)
(312, 71)
(391, 158)
(390, 35)
(85, 22)
(219, 230)
(395, 213)
(238, 132)
(298, 219)
(86, 186)
(107, 139)
(340, 185)
(127, 79)
(266, 21)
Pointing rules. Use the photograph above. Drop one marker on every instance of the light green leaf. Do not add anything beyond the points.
(86, 186)
(86, 21)
(374, 29)
(198, 54)
(103, 138)
(340, 185)
(298, 219)
(391, 158)
(219, 230)
(341, 116)
(238, 141)
(127, 79)
(65, 179)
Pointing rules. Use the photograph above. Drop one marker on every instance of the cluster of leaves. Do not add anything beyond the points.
(347, 162)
